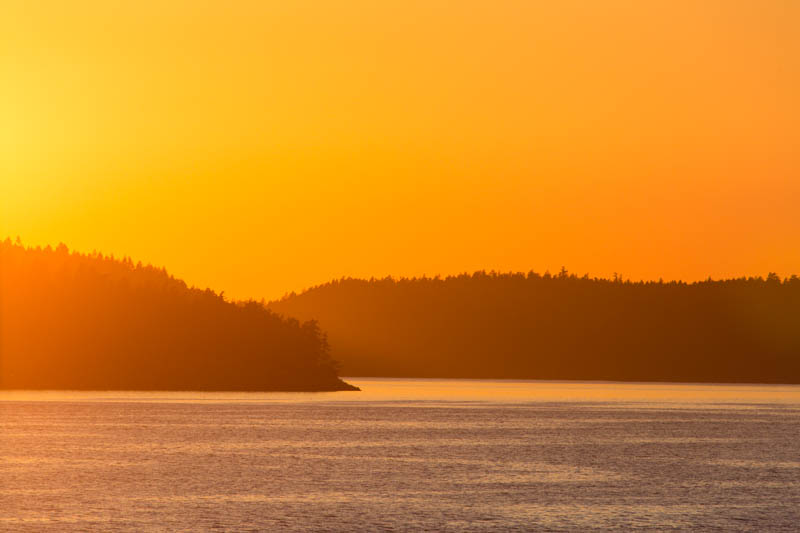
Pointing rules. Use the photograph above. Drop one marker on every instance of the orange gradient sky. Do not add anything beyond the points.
(259, 147)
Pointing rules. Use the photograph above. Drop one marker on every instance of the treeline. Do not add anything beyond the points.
(532, 326)
(75, 321)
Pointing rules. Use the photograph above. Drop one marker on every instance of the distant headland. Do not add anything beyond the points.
(93, 322)
(562, 326)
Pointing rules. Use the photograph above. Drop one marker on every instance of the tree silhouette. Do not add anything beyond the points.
(516, 325)
(74, 321)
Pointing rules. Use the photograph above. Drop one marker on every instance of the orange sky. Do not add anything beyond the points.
(260, 147)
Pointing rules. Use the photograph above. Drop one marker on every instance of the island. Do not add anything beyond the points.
(72, 321)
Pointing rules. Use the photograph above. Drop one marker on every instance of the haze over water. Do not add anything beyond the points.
(452, 455)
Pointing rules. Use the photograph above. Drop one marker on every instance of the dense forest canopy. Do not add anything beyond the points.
(75, 321)
(532, 326)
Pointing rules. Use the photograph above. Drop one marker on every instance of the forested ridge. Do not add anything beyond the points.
(88, 321)
(534, 326)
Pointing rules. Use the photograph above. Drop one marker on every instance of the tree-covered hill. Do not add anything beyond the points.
(74, 321)
(531, 326)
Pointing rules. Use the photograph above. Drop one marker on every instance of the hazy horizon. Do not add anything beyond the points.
(425, 275)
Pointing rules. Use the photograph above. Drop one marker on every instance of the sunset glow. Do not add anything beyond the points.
(263, 147)
(381, 265)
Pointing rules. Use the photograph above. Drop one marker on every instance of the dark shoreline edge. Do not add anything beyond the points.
(344, 387)
(609, 381)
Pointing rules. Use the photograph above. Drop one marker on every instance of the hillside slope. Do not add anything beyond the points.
(529, 326)
(72, 321)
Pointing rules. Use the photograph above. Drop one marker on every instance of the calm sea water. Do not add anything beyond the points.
(438, 455)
